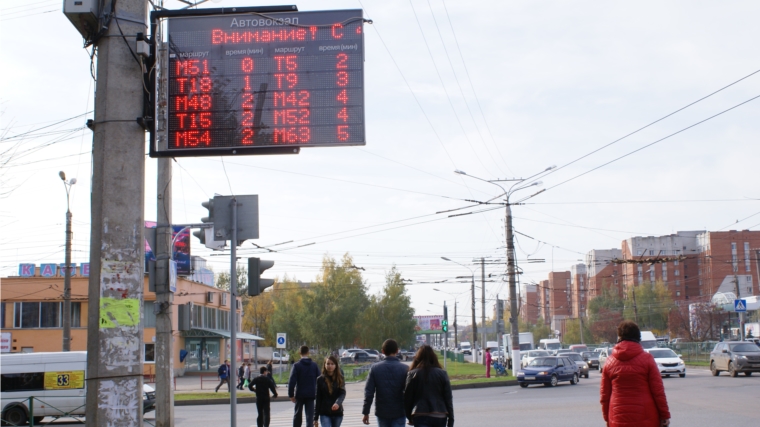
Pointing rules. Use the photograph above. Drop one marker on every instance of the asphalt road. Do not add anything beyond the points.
(697, 400)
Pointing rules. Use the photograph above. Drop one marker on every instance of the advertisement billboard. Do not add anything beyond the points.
(428, 324)
(181, 250)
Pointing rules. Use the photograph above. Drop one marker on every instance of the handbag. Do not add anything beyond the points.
(245, 384)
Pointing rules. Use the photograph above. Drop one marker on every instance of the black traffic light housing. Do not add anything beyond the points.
(201, 234)
(256, 284)
(445, 323)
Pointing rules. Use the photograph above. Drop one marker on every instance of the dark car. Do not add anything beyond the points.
(362, 356)
(582, 365)
(549, 371)
(149, 399)
(592, 358)
(735, 357)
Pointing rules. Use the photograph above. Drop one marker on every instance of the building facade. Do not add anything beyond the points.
(727, 262)
(529, 304)
(32, 309)
(578, 290)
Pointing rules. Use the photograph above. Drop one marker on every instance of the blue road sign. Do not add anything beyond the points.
(281, 340)
(740, 305)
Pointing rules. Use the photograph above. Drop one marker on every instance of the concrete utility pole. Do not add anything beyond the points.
(164, 297)
(512, 273)
(455, 325)
(474, 324)
(114, 330)
(67, 272)
(483, 307)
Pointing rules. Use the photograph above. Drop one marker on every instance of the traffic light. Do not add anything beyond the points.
(445, 323)
(201, 234)
(256, 284)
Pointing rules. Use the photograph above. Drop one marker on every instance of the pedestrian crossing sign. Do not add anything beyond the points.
(740, 305)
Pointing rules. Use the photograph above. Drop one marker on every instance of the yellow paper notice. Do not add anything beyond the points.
(119, 312)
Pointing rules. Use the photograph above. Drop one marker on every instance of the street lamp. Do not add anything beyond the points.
(520, 184)
(67, 272)
(474, 321)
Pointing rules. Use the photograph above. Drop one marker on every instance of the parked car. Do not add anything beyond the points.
(362, 356)
(603, 355)
(532, 354)
(406, 354)
(735, 357)
(349, 351)
(582, 365)
(375, 353)
(278, 357)
(591, 358)
(549, 371)
(668, 361)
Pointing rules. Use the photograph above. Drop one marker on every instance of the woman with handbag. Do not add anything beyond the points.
(331, 391)
(427, 396)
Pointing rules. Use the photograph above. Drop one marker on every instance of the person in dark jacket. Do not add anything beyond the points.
(241, 376)
(386, 379)
(632, 394)
(331, 390)
(224, 375)
(427, 395)
(302, 387)
(261, 385)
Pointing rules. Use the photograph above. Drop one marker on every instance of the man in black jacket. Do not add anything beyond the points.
(261, 385)
(387, 379)
(302, 387)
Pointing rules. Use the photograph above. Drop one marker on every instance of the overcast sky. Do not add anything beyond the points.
(494, 88)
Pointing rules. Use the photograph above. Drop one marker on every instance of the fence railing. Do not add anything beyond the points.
(19, 415)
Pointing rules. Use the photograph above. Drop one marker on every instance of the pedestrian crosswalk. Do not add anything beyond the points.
(282, 415)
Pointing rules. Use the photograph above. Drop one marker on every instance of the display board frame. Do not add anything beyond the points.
(158, 119)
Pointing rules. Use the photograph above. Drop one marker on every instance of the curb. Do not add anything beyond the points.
(240, 400)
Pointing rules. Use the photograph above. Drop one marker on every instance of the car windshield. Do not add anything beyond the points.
(538, 353)
(525, 346)
(590, 354)
(543, 361)
(663, 353)
(649, 344)
(552, 346)
(744, 347)
(575, 357)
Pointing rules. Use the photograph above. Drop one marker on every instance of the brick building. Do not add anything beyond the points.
(578, 290)
(543, 300)
(529, 304)
(602, 272)
(680, 277)
(725, 258)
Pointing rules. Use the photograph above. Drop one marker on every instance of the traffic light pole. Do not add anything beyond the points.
(233, 314)
(445, 334)
(164, 297)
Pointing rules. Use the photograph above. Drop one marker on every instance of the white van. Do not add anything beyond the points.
(648, 340)
(56, 380)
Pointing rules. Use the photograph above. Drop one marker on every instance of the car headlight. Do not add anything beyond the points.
(520, 374)
(543, 373)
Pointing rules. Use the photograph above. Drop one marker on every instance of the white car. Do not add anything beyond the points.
(278, 357)
(668, 361)
(532, 354)
(349, 352)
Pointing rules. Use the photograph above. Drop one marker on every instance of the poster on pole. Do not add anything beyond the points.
(428, 324)
(282, 340)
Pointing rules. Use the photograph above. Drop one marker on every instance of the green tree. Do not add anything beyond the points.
(573, 332)
(257, 315)
(223, 280)
(652, 306)
(333, 306)
(605, 312)
(389, 314)
(287, 309)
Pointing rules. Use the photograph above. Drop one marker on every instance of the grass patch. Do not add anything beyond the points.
(481, 380)
(698, 363)
(206, 395)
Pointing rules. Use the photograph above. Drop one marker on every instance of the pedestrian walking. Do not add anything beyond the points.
(224, 375)
(302, 387)
(261, 385)
(271, 370)
(632, 393)
(489, 360)
(427, 394)
(386, 381)
(247, 376)
(331, 391)
(241, 376)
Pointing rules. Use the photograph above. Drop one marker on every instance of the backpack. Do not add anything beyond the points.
(222, 371)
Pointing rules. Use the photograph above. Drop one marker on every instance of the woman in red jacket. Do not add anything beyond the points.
(632, 394)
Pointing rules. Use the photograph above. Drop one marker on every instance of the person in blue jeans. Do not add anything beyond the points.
(302, 387)
(331, 391)
(386, 379)
(224, 375)
(428, 400)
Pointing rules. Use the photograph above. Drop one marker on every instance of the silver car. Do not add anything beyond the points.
(735, 357)
(582, 365)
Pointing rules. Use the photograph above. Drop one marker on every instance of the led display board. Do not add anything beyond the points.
(247, 83)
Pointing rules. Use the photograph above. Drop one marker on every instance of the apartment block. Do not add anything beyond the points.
(602, 272)
(529, 304)
(728, 260)
(578, 290)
